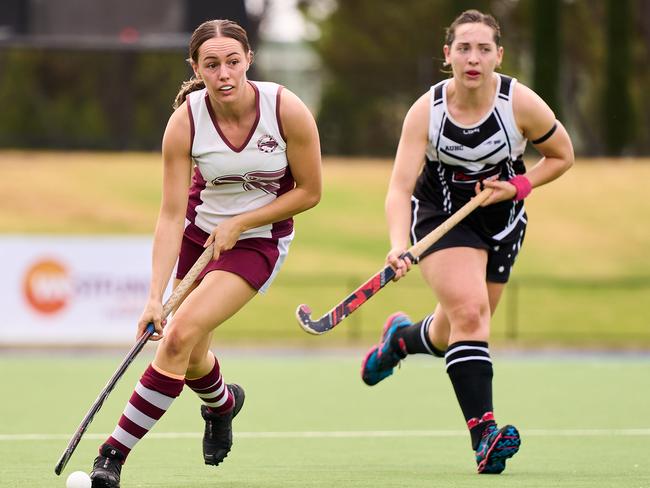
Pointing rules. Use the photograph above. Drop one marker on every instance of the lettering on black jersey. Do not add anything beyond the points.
(474, 137)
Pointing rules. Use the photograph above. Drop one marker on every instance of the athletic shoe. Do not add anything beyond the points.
(496, 445)
(382, 358)
(107, 467)
(217, 439)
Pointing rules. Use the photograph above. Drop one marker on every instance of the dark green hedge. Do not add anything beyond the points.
(87, 99)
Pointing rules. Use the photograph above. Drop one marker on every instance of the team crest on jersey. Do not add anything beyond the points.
(267, 181)
(267, 143)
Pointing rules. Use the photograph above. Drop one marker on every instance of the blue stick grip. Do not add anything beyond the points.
(150, 328)
(407, 255)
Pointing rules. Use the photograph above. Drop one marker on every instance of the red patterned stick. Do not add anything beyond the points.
(370, 288)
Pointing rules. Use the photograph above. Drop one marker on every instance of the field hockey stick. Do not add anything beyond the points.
(172, 301)
(362, 294)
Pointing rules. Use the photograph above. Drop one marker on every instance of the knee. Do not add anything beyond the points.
(178, 341)
(471, 319)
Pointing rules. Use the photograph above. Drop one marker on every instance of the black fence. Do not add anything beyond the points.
(535, 311)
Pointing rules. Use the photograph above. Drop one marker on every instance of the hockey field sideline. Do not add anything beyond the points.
(582, 277)
(311, 422)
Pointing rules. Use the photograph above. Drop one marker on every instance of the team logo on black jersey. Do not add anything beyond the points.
(267, 143)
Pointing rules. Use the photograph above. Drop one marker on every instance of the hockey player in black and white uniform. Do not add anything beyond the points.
(467, 132)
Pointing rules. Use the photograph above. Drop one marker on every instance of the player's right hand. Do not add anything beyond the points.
(400, 265)
(224, 236)
(152, 313)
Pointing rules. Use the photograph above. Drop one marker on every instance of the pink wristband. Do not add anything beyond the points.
(523, 186)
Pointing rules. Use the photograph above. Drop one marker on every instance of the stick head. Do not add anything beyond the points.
(303, 314)
(65, 457)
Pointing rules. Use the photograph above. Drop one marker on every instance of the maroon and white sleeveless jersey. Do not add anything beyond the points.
(231, 180)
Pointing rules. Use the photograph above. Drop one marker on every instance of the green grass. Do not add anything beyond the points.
(583, 420)
(583, 272)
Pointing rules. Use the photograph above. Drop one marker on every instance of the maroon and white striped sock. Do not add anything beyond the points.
(153, 395)
(212, 390)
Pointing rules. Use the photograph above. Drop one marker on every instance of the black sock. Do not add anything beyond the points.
(470, 369)
(416, 338)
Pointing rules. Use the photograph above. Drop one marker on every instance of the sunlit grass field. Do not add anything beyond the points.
(309, 421)
(582, 278)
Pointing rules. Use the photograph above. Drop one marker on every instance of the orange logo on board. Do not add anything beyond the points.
(47, 286)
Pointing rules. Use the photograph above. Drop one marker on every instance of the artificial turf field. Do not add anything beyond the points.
(309, 421)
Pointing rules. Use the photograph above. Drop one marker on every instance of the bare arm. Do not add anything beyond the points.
(171, 218)
(408, 163)
(535, 119)
(303, 154)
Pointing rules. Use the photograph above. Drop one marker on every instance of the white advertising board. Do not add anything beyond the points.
(72, 290)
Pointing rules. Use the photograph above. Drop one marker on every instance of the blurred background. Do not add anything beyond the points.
(86, 90)
(100, 74)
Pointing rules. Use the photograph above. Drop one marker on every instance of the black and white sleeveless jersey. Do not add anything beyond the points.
(458, 155)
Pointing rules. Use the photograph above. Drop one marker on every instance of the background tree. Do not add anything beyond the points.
(641, 80)
(617, 114)
(588, 60)
(379, 56)
(547, 39)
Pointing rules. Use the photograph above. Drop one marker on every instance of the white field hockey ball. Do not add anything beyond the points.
(78, 479)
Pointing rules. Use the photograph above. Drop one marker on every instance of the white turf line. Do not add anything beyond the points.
(346, 434)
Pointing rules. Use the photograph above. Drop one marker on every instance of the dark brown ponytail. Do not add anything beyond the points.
(193, 84)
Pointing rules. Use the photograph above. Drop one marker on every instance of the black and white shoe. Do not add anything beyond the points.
(217, 439)
(107, 467)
